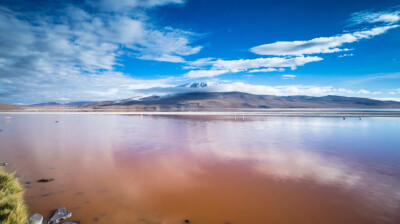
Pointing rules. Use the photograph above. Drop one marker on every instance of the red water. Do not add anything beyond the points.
(132, 169)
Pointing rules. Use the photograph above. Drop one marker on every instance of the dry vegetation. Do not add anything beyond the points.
(12, 206)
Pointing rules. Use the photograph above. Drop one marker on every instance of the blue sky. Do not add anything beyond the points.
(114, 49)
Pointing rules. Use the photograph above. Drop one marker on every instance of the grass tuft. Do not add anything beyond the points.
(12, 206)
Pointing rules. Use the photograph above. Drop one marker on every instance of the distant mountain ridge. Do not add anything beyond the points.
(226, 100)
(73, 104)
(4, 106)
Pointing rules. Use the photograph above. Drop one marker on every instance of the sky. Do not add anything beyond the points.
(88, 50)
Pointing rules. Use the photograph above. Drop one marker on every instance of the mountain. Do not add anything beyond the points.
(235, 100)
(4, 106)
(71, 104)
(51, 104)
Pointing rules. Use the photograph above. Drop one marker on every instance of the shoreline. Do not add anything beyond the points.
(275, 112)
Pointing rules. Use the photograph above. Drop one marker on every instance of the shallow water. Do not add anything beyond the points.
(133, 169)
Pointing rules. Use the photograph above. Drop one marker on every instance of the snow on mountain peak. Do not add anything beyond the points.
(198, 84)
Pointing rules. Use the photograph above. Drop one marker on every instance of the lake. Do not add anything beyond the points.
(207, 169)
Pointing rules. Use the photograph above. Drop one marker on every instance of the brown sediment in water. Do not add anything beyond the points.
(127, 169)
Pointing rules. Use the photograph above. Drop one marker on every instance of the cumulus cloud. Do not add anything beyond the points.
(318, 45)
(167, 45)
(48, 53)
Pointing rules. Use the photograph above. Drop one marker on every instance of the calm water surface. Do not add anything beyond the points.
(132, 169)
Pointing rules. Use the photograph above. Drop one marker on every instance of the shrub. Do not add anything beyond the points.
(12, 206)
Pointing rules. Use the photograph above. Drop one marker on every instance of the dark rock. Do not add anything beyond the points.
(3, 164)
(36, 219)
(186, 221)
(61, 213)
(56, 121)
(27, 182)
(46, 195)
(45, 180)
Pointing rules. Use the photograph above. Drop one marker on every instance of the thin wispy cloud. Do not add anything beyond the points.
(373, 78)
(320, 45)
(204, 73)
(345, 55)
(267, 70)
(288, 76)
(124, 5)
(219, 66)
(371, 17)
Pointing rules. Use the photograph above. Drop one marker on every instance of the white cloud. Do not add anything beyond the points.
(267, 70)
(208, 67)
(245, 64)
(292, 51)
(73, 86)
(363, 91)
(90, 42)
(204, 73)
(166, 45)
(318, 45)
(41, 55)
(124, 5)
(346, 55)
(164, 57)
(386, 17)
(288, 76)
(387, 99)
